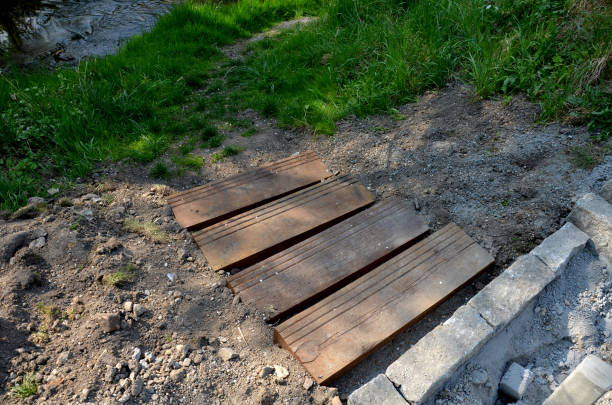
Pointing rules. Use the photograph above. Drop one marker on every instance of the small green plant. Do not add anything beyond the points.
(121, 277)
(226, 152)
(159, 171)
(108, 198)
(190, 161)
(504, 203)
(27, 387)
(589, 155)
(76, 223)
(248, 132)
(168, 337)
(145, 228)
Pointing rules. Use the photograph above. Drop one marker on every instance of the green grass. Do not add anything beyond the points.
(226, 152)
(55, 124)
(121, 277)
(160, 171)
(367, 56)
(172, 86)
(27, 387)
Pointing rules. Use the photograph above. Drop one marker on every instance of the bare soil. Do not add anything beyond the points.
(484, 165)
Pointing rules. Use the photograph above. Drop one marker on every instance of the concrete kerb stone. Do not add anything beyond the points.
(378, 391)
(422, 370)
(606, 191)
(429, 364)
(593, 215)
(591, 379)
(509, 293)
(560, 247)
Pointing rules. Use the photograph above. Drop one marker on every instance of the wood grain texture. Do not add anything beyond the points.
(205, 205)
(333, 335)
(318, 265)
(261, 232)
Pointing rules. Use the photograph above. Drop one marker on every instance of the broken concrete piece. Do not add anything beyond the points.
(427, 366)
(506, 296)
(590, 380)
(378, 391)
(515, 382)
(560, 247)
(593, 215)
(606, 191)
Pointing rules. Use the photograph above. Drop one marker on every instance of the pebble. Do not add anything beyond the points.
(480, 377)
(139, 309)
(36, 200)
(308, 383)
(177, 375)
(281, 372)
(128, 306)
(63, 357)
(227, 354)
(136, 354)
(137, 387)
(109, 322)
(186, 362)
(265, 371)
(38, 243)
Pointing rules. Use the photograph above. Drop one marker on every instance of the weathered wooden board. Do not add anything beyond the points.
(315, 267)
(204, 205)
(333, 335)
(260, 232)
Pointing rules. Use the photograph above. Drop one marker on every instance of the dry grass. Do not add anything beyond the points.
(145, 228)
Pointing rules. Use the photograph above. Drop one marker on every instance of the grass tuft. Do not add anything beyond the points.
(145, 228)
(226, 152)
(27, 387)
(122, 277)
(160, 171)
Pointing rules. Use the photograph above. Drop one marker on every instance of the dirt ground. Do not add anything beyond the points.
(484, 165)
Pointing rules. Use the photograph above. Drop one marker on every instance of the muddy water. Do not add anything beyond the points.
(65, 31)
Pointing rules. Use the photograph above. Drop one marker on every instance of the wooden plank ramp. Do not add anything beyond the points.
(315, 267)
(204, 205)
(335, 334)
(262, 231)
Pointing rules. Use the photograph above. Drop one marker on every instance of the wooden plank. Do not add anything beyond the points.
(263, 231)
(315, 267)
(205, 205)
(335, 334)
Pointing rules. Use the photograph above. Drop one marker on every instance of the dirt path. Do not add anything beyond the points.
(484, 165)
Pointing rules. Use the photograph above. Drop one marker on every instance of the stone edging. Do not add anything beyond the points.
(424, 369)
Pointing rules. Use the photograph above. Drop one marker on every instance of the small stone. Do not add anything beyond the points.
(186, 362)
(128, 306)
(308, 383)
(515, 381)
(171, 277)
(177, 375)
(84, 393)
(182, 351)
(36, 200)
(265, 371)
(479, 377)
(281, 372)
(109, 322)
(52, 191)
(136, 354)
(137, 387)
(167, 211)
(197, 358)
(236, 300)
(336, 400)
(139, 310)
(149, 357)
(38, 243)
(63, 358)
(91, 196)
(227, 354)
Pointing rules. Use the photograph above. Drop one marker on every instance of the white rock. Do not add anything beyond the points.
(136, 354)
(281, 372)
(128, 306)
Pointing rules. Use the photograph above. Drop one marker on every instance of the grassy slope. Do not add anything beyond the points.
(364, 56)
(122, 105)
(367, 56)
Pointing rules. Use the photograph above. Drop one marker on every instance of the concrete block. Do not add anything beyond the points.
(515, 381)
(606, 191)
(593, 215)
(507, 295)
(428, 365)
(560, 247)
(590, 380)
(378, 391)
